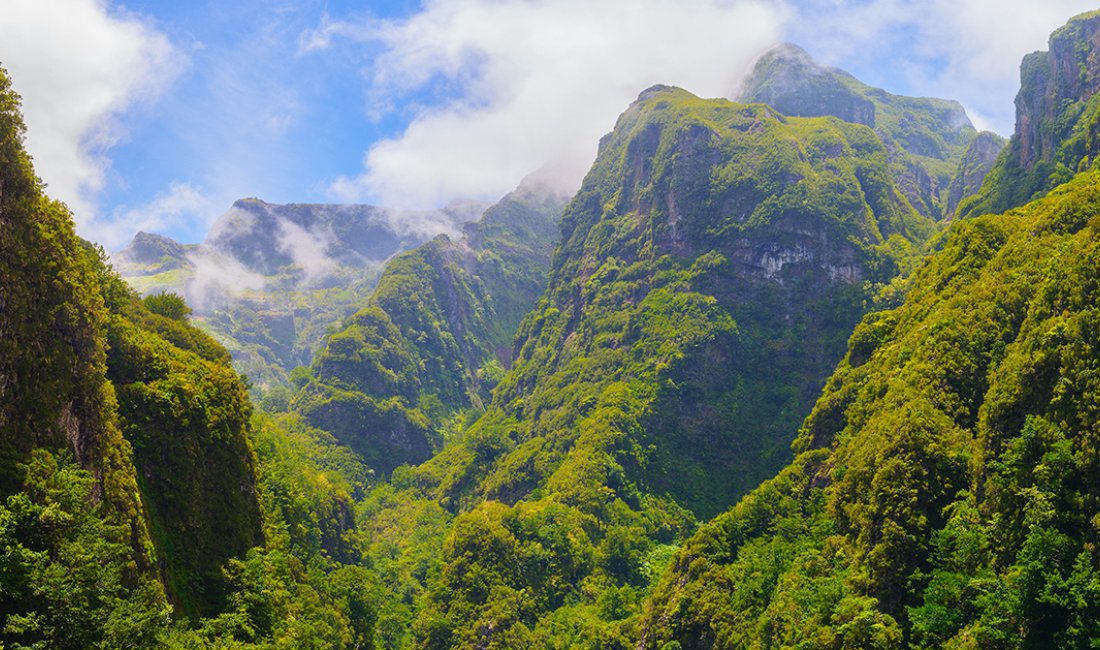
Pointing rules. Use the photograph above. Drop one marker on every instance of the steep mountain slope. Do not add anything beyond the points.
(710, 270)
(926, 138)
(132, 513)
(65, 469)
(268, 279)
(112, 417)
(436, 333)
(186, 413)
(976, 164)
(944, 492)
(1057, 121)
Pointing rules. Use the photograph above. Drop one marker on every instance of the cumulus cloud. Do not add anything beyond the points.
(506, 88)
(79, 65)
(180, 204)
(968, 50)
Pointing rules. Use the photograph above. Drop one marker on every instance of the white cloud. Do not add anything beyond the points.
(79, 65)
(969, 50)
(217, 277)
(308, 250)
(517, 85)
(179, 205)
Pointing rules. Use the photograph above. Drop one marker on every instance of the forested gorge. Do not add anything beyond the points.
(815, 369)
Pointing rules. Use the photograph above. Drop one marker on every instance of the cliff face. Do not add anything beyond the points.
(926, 138)
(53, 390)
(973, 168)
(1053, 84)
(1057, 121)
(142, 402)
(942, 495)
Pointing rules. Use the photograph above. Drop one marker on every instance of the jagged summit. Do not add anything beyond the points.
(1057, 120)
(926, 137)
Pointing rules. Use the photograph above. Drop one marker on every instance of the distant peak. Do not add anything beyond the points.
(143, 238)
(789, 51)
(249, 202)
(653, 91)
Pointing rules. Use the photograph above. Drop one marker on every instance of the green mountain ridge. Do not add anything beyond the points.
(269, 279)
(435, 335)
(927, 138)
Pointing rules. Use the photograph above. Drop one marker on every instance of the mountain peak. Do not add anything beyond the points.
(787, 78)
(150, 253)
(914, 129)
(1056, 120)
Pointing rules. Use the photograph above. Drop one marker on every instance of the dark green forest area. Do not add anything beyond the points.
(815, 369)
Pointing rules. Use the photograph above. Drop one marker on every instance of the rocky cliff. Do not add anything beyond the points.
(1057, 120)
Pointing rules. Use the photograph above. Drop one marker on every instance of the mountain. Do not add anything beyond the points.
(150, 254)
(943, 494)
(435, 335)
(1057, 119)
(976, 164)
(943, 490)
(752, 386)
(927, 138)
(268, 279)
(142, 503)
(125, 476)
(710, 270)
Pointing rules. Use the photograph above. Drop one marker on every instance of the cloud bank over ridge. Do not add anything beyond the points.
(528, 85)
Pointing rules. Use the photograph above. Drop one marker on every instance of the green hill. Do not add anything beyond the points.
(435, 335)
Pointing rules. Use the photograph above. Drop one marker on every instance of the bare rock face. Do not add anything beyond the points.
(1057, 121)
(1052, 83)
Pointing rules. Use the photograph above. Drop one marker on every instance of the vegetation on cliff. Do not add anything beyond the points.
(942, 495)
(435, 336)
(1057, 122)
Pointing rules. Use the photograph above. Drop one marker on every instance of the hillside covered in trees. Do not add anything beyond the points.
(819, 368)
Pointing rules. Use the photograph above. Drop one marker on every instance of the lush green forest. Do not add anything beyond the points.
(754, 385)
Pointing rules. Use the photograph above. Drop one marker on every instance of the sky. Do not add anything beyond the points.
(157, 114)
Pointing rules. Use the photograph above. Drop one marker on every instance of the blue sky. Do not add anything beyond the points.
(157, 114)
